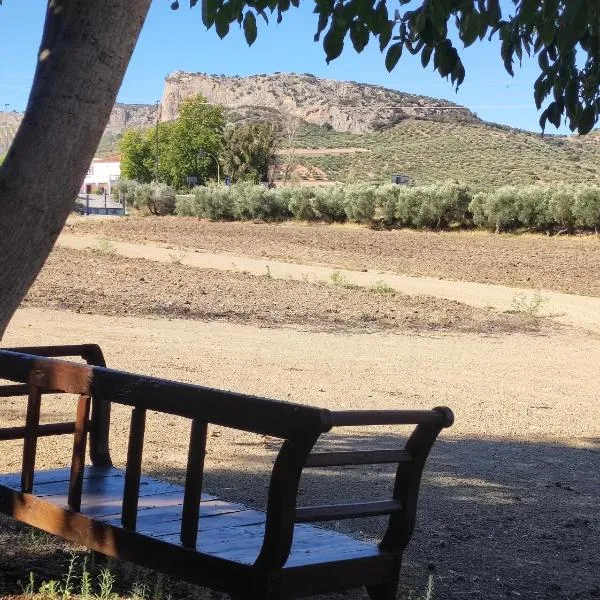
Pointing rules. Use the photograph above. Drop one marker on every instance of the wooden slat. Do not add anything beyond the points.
(133, 470)
(360, 457)
(48, 429)
(32, 422)
(230, 409)
(79, 447)
(333, 512)
(350, 418)
(20, 389)
(193, 484)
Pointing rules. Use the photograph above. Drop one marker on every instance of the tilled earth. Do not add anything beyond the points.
(566, 263)
(104, 283)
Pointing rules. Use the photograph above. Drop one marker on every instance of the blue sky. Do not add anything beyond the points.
(177, 40)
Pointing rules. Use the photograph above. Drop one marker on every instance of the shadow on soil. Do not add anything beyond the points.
(497, 518)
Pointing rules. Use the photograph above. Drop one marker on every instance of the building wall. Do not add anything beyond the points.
(101, 174)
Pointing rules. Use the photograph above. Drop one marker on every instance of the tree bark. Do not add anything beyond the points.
(86, 47)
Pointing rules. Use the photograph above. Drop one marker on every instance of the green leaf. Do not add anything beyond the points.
(250, 30)
(587, 120)
(222, 23)
(393, 55)
(359, 35)
(333, 43)
(470, 29)
(527, 12)
(426, 55)
(209, 8)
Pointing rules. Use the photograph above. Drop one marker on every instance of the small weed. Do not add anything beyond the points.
(106, 582)
(29, 589)
(337, 278)
(105, 246)
(528, 306)
(176, 258)
(381, 287)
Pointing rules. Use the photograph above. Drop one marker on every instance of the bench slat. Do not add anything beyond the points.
(79, 446)
(133, 470)
(360, 457)
(193, 484)
(32, 422)
(48, 429)
(333, 512)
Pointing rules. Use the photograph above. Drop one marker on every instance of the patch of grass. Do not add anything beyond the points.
(337, 278)
(529, 306)
(381, 287)
(105, 246)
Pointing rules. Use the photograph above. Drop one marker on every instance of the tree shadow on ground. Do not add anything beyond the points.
(497, 518)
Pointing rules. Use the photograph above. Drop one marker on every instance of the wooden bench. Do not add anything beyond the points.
(178, 529)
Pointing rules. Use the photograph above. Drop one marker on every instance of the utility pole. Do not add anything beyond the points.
(157, 116)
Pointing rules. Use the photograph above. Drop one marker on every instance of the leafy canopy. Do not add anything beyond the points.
(198, 128)
(249, 151)
(564, 35)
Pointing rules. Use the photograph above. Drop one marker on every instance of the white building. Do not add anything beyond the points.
(103, 172)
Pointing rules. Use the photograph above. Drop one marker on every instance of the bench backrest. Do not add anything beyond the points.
(298, 425)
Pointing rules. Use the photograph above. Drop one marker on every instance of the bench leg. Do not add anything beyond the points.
(383, 591)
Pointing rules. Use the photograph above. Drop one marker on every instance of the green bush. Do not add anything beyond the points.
(360, 203)
(586, 208)
(299, 202)
(213, 202)
(327, 204)
(162, 201)
(185, 206)
(257, 202)
(434, 206)
(560, 207)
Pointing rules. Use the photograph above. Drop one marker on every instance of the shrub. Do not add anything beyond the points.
(213, 202)
(496, 210)
(257, 202)
(298, 201)
(532, 207)
(560, 207)
(360, 203)
(586, 208)
(185, 206)
(162, 200)
(327, 204)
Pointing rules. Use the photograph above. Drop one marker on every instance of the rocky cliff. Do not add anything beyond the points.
(342, 105)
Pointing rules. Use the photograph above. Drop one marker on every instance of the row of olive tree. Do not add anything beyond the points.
(193, 144)
(433, 206)
(154, 198)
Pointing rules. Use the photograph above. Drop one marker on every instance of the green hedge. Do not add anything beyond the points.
(434, 206)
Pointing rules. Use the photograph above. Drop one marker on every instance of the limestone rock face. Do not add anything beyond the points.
(341, 105)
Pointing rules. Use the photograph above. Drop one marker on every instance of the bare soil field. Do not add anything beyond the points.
(564, 264)
(104, 283)
(509, 507)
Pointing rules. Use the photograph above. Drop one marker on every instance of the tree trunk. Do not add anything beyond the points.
(86, 47)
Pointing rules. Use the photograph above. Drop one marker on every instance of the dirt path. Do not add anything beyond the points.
(578, 311)
(510, 500)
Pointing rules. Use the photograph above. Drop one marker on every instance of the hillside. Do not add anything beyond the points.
(347, 131)
(429, 151)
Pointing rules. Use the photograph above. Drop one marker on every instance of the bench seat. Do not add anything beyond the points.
(160, 511)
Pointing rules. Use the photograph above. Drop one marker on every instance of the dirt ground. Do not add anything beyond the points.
(509, 506)
(564, 264)
(509, 503)
(103, 283)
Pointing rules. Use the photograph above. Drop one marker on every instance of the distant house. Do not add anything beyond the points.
(103, 172)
